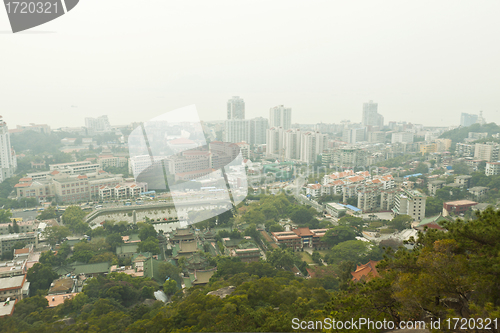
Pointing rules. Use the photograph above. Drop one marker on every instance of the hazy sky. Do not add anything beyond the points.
(421, 61)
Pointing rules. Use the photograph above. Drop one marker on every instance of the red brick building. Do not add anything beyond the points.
(459, 206)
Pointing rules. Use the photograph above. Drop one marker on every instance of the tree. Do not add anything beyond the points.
(15, 227)
(73, 216)
(356, 251)
(433, 206)
(301, 215)
(356, 222)
(170, 287)
(167, 270)
(280, 258)
(146, 231)
(5, 216)
(48, 213)
(149, 245)
(56, 234)
(461, 168)
(422, 168)
(400, 222)
(114, 240)
(316, 257)
(40, 277)
(338, 235)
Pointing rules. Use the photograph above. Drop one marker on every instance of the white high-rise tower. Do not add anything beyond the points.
(8, 161)
(279, 116)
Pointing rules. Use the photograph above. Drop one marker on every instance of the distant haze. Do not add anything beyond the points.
(421, 61)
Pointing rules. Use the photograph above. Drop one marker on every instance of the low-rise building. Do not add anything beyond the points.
(24, 227)
(478, 191)
(15, 288)
(300, 238)
(335, 209)
(435, 185)
(463, 180)
(7, 241)
(457, 207)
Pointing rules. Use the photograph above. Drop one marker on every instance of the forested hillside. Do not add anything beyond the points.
(448, 274)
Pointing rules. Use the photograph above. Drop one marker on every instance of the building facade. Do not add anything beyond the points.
(236, 108)
(279, 116)
(8, 161)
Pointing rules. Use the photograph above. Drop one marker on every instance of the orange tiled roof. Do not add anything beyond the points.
(365, 272)
(303, 232)
(23, 185)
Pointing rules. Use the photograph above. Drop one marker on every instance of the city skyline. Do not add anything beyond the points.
(421, 62)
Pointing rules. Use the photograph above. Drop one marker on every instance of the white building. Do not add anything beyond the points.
(8, 161)
(236, 108)
(99, 124)
(291, 143)
(410, 202)
(252, 131)
(279, 116)
(311, 145)
(403, 137)
(492, 169)
(353, 135)
(486, 151)
(370, 116)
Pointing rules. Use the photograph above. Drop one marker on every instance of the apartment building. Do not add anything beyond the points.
(8, 241)
(410, 202)
(15, 288)
(486, 151)
(463, 180)
(427, 148)
(24, 227)
(106, 161)
(387, 199)
(368, 198)
(465, 149)
(403, 137)
(435, 185)
(492, 169)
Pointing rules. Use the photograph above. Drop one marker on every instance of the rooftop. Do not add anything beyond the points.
(10, 283)
(55, 300)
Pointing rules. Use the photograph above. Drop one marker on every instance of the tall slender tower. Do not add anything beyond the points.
(8, 161)
(236, 108)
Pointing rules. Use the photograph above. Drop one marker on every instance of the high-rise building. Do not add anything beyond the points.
(370, 115)
(252, 131)
(236, 108)
(8, 161)
(258, 128)
(279, 116)
(274, 141)
(353, 135)
(410, 202)
(312, 144)
(99, 124)
(237, 130)
(403, 137)
(291, 143)
(467, 119)
(487, 151)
